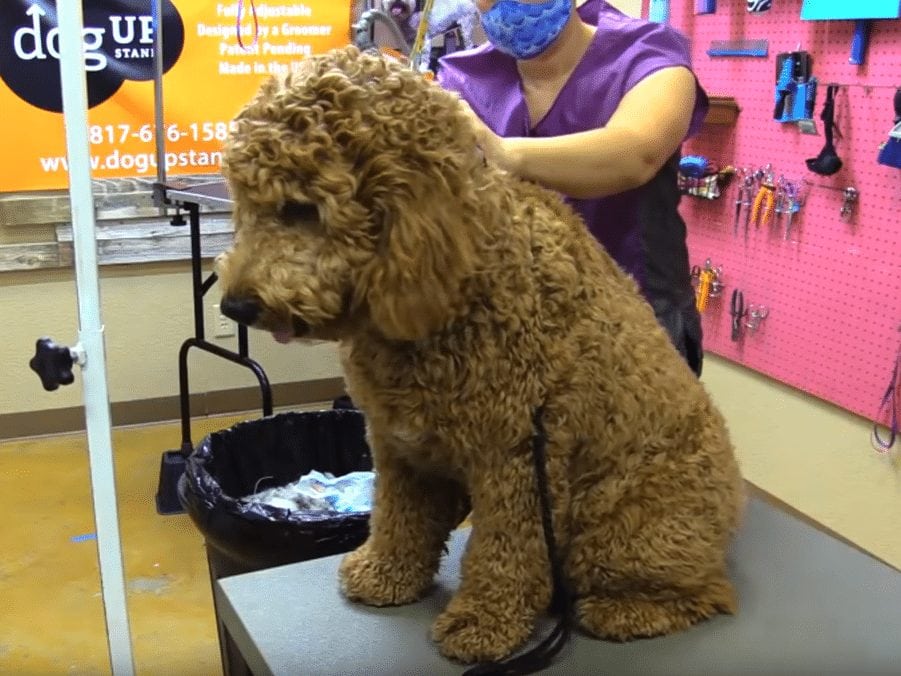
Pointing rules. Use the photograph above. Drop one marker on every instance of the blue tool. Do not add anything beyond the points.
(694, 166)
(890, 151)
(862, 12)
(828, 10)
(860, 41)
(758, 48)
(795, 88)
(658, 11)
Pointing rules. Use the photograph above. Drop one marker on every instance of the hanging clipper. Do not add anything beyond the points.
(850, 197)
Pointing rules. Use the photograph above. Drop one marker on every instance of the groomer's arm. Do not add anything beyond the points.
(644, 132)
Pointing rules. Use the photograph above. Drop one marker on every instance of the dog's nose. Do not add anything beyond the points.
(242, 310)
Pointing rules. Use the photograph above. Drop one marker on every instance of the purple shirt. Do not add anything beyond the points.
(633, 224)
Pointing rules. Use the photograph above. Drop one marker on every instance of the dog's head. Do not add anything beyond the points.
(354, 185)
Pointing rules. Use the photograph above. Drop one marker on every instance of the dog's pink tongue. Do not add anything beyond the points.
(283, 335)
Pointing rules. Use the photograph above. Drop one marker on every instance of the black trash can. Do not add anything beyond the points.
(242, 537)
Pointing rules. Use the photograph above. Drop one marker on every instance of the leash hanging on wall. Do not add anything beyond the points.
(891, 407)
(827, 162)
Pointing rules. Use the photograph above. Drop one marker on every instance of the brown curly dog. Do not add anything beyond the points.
(463, 298)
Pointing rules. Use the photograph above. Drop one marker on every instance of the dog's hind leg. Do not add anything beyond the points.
(646, 570)
(626, 617)
(413, 514)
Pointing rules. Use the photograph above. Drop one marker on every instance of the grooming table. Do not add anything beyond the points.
(809, 604)
(213, 193)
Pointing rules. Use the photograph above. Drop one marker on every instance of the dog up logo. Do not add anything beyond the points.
(118, 44)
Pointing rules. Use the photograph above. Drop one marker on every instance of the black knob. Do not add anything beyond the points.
(53, 363)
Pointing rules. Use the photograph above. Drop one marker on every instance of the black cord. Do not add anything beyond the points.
(540, 656)
(828, 114)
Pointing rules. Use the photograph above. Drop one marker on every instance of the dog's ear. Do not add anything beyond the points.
(425, 252)
(409, 149)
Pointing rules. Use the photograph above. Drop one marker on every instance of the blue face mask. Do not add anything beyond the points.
(524, 30)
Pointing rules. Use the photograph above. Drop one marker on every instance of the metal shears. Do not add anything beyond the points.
(738, 312)
(743, 201)
(764, 201)
(790, 202)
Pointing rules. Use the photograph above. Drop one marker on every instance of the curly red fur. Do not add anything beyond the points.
(462, 298)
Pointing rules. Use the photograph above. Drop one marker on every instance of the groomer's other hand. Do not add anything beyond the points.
(491, 145)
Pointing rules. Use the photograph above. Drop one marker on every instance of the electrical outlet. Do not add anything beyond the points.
(222, 326)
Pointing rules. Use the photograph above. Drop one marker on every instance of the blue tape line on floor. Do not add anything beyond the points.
(84, 538)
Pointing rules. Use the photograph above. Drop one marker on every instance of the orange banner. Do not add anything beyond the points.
(208, 77)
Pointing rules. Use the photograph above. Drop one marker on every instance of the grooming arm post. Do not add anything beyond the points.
(96, 396)
(364, 27)
(159, 124)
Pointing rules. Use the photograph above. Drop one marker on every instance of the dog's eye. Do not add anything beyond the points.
(299, 212)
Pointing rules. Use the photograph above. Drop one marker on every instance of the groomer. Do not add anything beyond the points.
(594, 104)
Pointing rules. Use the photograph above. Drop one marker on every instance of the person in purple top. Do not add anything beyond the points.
(584, 100)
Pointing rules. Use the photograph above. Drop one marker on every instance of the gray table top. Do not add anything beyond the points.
(809, 604)
(213, 193)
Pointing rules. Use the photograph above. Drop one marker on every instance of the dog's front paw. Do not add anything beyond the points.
(381, 581)
(472, 632)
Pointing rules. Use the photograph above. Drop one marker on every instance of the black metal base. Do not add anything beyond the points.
(172, 466)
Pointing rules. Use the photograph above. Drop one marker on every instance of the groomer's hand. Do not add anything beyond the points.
(491, 145)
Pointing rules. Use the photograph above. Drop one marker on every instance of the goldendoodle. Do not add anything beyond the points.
(462, 299)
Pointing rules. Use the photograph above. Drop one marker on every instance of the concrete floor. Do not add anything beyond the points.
(51, 615)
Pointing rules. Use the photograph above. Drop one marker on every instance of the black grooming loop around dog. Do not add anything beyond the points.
(540, 656)
(172, 463)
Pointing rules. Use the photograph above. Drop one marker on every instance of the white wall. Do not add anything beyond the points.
(630, 7)
(147, 314)
(811, 455)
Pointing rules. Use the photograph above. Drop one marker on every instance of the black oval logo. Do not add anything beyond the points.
(118, 45)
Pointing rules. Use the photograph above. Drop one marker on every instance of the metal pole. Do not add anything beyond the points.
(159, 121)
(96, 396)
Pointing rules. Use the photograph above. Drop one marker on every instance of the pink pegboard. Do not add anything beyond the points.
(834, 288)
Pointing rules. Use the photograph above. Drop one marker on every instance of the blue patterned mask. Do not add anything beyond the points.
(524, 30)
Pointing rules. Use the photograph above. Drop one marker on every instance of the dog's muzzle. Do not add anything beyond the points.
(242, 310)
(248, 311)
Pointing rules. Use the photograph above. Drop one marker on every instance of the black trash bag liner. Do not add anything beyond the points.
(252, 456)
(344, 401)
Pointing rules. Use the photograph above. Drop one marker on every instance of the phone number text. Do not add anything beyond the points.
(195, 131)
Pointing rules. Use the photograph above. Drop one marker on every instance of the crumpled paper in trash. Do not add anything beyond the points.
(321, 491)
